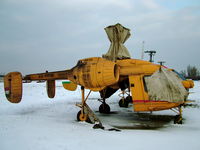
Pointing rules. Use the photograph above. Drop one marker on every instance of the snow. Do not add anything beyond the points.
(40, 123)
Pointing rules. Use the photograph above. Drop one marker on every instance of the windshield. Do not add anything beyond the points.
(180, 75)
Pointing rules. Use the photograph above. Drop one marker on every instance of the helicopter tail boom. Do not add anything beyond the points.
(13, 83)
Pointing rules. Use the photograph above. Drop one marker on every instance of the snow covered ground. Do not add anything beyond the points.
(40, 123)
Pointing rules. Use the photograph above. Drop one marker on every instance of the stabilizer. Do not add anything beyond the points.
(13, 87)
(51, 88)
(68, 85)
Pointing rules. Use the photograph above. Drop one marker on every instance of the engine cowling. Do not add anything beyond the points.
(95, 73)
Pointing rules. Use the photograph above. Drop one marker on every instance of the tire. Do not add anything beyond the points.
(129, 99)
(178, 119)
(104, 108)
(83, 118)
(123, 103)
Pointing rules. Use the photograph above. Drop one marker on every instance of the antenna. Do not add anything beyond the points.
(161, 62)
(151, 54)
(142, 55)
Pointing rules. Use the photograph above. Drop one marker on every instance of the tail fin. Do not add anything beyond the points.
(13, 87)
(51, 88)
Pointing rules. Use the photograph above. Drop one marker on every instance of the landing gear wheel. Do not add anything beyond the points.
(129, 99)
(123, 103)
(104, 108)
(83, 117)
(178, 119)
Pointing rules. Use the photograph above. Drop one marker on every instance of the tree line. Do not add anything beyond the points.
(192, 72)
(2, 74)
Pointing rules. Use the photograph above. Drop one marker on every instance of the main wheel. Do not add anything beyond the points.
(83, 117)
(104, 108)
(129, 99)
(178, 119)
(123, 103)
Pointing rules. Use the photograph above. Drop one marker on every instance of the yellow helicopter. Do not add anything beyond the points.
(148, 86)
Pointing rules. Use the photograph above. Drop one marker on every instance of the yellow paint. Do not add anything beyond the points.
(188, 84)
(68, 85)
(51, 88)
(137, 88)
(136, 67)
(154, 105)
(97, 73)
(13, 87)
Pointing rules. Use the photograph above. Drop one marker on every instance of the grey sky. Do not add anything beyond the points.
(40, 35)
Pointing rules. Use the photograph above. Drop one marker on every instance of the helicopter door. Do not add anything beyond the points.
(139, 95)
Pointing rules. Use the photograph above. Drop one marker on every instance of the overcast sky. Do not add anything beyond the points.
(40, 35)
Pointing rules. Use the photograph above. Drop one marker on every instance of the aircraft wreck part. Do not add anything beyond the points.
(13, 87)
(51, 88)
(95, 73)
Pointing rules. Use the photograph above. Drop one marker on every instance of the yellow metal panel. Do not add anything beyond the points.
(154, 105)
(13, 87)
(95, 73)
(137, 88)
(68, 85)
(136, 67)
(188, 84)
(141, 101)
(51, 88)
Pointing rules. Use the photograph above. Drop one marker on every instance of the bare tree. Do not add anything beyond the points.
(184, 73)
(2, 74)
(192, 72)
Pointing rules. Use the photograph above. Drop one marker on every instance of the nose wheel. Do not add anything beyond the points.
(86, 114)
(83, 117)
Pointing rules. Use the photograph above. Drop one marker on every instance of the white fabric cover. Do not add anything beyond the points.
(165, 85)
(117, 35)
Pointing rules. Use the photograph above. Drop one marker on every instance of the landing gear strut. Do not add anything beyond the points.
(104, 108)
(178, 119)
(124, 101)
(86, 114)
(82, 117)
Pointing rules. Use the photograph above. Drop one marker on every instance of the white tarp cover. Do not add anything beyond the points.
(165, 85)
(117, 35)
